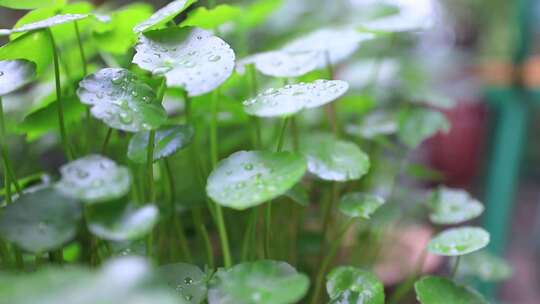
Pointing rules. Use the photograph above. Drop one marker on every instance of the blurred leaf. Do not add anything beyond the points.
(453, 206)
(458, 241)
(298, 194)
(331, 159)
(168, 140)
(349, 285)
(163, 15)
(94, 179)
(485, 266)
(293, 98)
(46, 23)
(419, 124)
(120, 221)
(212, 18)
(377, 123)
(40, 221)
(263, 282)
(247, 179)
(45, 119)
(282, 63)
(14, 74)
(424, 173)
(187, 280)
(34, 46)
(117, 36)
(257, 12)
(121, 100)
(358, 204)
(192, 59)
(437, 290)
(30, 4)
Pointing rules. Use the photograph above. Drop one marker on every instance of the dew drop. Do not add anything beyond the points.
(188, 281)
(1, 73)
(248, 167)
(214, 58)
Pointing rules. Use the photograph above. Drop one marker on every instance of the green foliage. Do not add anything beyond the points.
(168, 140)
(349, 285)
(212, 18)
(31, 4)
(34, 46)
(437, 290)
(360, 205)
(458, 241)
(188, 280)
(453, 206)
(14, 74)
(417, 125)
(266, 282)
(163, 15)
(40, 221)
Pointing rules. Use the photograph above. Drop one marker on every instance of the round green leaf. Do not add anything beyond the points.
(283, 63)
(40, 221)
(335, 43)
(358, 204)
(212, 18)
(332, 159)
(295, 97)
(168, 140)
(192, 59)
(121, 222)
(30, 4)
(453, 206)
(485, 266)
(163, 15)
(247, 179)
(34, 46)
(350, 285)
(14, 74)
(375, 124)
(263, 282)
(419, 124)
(94, 179)
(458, 241)
(437, 290)
(47, 23)
(121, 100)
(187, 280)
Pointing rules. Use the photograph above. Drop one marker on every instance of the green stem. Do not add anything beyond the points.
(59, 102)
(281, 136)
(150, 165)
(455, 268)
(268, 230)
(81, 48)
(328, 259)
(331, 107)
(252, 221)
(295, 134)
(222, 230)
(5, 154)
(19, 260)
(106, 141)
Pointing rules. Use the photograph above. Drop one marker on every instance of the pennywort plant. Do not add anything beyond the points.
(180, 163)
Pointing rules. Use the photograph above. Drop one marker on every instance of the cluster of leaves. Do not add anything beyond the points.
(137, 97)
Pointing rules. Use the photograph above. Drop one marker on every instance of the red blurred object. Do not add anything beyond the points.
(457, 154)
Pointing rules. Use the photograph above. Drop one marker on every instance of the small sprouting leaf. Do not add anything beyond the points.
(40, 221)
(419, 124)
(211, 18)
(453, 206)
(358, 204)
(350, 285)
(375, 124)
(189, 281)
(94, 179)
(34, 46)
(192, 59)
(331, 159)
(335, 43)
(298, 194)
(283, 63)
(121, 100)
(168, 140)
(295, 97)
(247, 179)
(121, 222)
(30, 4)
(485, 266)
(163, 15)
(458, 241)
(14, 74)
(49, 22)
(437, 290)
(263, 282)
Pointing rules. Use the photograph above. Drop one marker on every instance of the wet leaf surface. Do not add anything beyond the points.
(437, 290)
(453, 206)
(163, 15)
(14, 74)
(358, 204)
(459, 241)
(168, 140)
(350, 285)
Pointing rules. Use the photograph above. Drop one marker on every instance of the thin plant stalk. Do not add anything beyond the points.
(106, 141)
(150, 165)
(328, 259)
(255, 120)
(222, 230)
(5, 154)
(59, 101)
(455, 268)
(331, 107)
(252, 223)
(81, 48)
